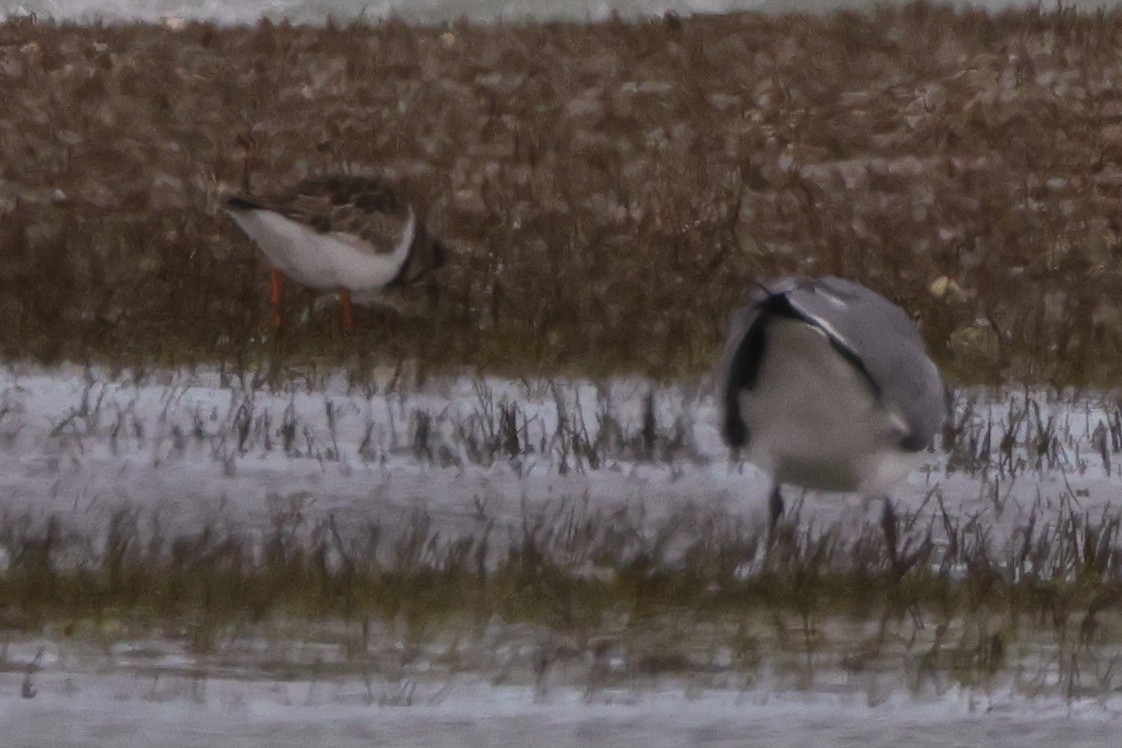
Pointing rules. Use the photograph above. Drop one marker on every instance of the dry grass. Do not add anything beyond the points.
(609, 189)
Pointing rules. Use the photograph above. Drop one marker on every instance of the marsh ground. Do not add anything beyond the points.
(548, 537)
(561, 523)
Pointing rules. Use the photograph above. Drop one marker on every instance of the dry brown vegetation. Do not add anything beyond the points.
(609, 189)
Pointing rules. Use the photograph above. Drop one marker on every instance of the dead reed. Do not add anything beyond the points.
(609, 189)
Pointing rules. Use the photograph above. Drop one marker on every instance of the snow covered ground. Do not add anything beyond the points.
(79, 444)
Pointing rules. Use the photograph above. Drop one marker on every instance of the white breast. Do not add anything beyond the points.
(322, 260)
(813, 418)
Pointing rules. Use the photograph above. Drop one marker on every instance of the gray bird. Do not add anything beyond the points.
(828, 386)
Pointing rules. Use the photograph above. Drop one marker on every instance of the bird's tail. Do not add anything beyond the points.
(237, 202)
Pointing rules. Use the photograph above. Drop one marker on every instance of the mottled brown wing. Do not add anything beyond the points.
(361, 205)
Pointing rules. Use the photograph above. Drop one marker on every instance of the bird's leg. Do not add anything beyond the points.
(348, 311)
(276, 278)
(246, 142)
(775, 510)
(889, 525)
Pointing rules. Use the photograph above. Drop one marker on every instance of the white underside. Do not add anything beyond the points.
(325, 261)
(813, 420)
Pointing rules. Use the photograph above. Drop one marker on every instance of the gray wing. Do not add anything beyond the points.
(879, 337)
(872, 332)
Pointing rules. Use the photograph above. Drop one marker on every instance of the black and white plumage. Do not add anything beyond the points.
(347, 232)
(828, 385)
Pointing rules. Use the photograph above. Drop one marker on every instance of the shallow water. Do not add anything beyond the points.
(102, 711)
(77, 444)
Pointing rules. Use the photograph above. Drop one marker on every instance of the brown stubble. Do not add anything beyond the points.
(608, 191)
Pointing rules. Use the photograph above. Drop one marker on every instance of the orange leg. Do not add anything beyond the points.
(348, 311)
(276, 278)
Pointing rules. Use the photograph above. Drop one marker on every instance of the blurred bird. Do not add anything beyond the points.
(828, 386)
(349, 233)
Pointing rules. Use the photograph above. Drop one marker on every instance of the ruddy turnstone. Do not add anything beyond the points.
(345, 232)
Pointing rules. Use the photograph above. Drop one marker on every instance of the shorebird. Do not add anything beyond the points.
(828, 386)
(349, 233)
